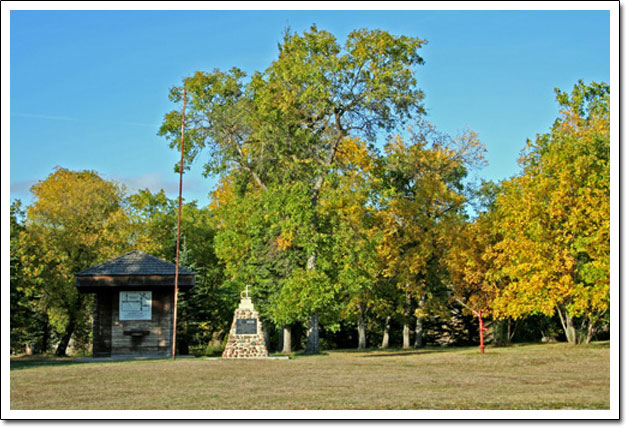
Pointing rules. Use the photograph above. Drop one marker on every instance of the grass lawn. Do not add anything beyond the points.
(543, 376)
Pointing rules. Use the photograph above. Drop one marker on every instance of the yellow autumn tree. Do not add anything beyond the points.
(77, 219)
(554, 219)
(468, 266)
(469, 262)
(423, 200)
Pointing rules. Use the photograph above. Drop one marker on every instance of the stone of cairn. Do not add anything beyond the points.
(246, 339)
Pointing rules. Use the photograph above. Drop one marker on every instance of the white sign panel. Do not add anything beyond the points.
(136, 305)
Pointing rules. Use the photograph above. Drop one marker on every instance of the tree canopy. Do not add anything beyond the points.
(76, 220)
(555, 219)
(282, 128)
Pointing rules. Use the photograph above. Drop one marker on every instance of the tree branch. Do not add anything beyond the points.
(243, 164)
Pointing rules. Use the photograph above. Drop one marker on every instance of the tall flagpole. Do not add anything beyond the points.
(180, 198)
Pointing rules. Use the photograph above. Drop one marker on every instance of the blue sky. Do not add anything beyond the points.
(90, 88)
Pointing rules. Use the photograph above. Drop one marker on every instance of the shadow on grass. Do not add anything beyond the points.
(27, 362)
(37, 361)
(302, 353)
(404, 353)
(398, 351)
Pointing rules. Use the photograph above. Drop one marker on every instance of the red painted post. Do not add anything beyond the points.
(478, 313)
(480, 329)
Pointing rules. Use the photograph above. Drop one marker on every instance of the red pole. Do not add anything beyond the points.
(180, 198)
(478, 313)
(480, 328)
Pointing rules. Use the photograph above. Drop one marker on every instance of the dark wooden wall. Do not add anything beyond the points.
(109, 337)
(102, 322)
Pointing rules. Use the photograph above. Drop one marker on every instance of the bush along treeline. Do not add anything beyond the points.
(346, 241)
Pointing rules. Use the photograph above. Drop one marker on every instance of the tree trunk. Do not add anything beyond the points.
(419, 323)
(28, 350)
(419, 331)
(385, 343)
(590, 332)
(361, 328)
(65, 339)
(582, 332)
(570, 331)
(567, 322)
(313, 335)
(286, 339)
(406, 329)
(406, 335)
(501, 332)
(266, 337)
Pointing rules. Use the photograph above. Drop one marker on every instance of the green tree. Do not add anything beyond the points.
(205, 311)
(555, 219)
(349, 203)
(258, 241)
(76, 220)
(29, 324)
(153, 218)
(286, 124)
(422, 203)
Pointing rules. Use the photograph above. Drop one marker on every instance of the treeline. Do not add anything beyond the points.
(344, 244)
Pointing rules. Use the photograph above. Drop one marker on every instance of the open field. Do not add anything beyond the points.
(547, 376)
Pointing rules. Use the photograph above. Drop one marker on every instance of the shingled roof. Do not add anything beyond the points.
(135, 263)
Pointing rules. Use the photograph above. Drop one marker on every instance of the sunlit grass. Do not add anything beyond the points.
(548, 376)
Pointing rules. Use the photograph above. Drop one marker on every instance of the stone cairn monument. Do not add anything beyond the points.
(246, 339)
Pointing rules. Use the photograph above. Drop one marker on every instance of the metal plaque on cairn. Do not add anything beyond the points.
(246, 339)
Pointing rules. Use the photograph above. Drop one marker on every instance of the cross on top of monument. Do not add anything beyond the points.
(245, 293)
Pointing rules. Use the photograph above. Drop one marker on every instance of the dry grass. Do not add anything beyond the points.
(548, 376)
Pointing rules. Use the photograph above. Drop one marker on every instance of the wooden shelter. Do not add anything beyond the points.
(134, 299)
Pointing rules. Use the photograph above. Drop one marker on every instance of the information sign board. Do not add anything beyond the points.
(135, 305)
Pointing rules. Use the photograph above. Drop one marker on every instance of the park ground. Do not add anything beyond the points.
(534, 376)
